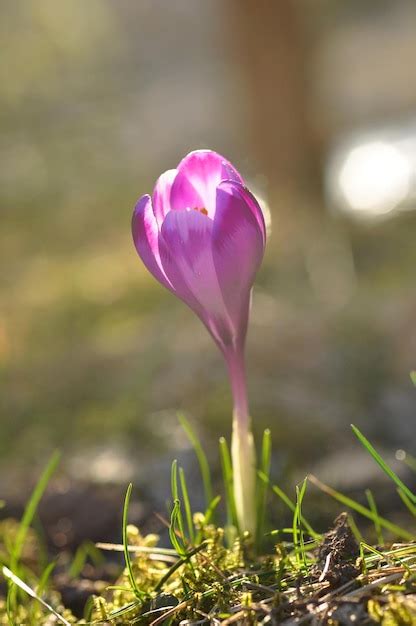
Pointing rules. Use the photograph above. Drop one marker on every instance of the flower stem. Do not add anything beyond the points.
(242, 446)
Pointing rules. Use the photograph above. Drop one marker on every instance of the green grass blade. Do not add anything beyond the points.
(290, 505)
(210, 510)
(27, 519)
(295, 526)
(201, 456)
(136, 590)
(175, 497)
(86, 550)
(31, 509)
(78, 562)
(262, 486)
(88, 609)
(184, 559)
(174, 480)
(187, 505)
(413, 377)
(117, 613)
(227, 473)
(410, 506)
(13, 578)
(354, 529)
(208, 515)
(373, 508)
(10, 600)
(382, 556)
(386, 469)
(298, 541)
(174, 528)
(362, 510)
(40, 587)
(373, 551)
(44, 579)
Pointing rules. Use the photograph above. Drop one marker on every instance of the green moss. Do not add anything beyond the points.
(395, 609)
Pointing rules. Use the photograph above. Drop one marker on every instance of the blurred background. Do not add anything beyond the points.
(314, 102)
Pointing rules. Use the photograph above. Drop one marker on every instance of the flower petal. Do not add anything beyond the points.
(199, 173)
(184, 195)
(161, 195)
(145, 236)
(238, 248)
(251, 202)
(186, 256)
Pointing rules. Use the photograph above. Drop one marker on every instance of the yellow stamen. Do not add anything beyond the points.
(202, 210)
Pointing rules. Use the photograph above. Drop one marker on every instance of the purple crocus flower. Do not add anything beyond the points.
(202, 235)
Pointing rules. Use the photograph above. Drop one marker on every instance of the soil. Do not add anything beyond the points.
(337, 554)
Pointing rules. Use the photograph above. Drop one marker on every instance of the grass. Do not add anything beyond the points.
(213, 575)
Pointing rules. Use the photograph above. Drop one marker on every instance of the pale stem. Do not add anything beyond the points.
(242, 445)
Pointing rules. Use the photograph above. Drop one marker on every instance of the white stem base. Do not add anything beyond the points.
(243, 456)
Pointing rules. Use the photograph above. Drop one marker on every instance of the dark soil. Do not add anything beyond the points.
(337, 554)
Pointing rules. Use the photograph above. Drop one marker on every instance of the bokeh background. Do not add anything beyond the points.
(314, 102)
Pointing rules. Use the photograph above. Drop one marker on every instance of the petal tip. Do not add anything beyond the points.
(141, 204)
(233, 188)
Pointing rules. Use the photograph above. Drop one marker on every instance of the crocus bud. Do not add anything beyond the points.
(202, 235)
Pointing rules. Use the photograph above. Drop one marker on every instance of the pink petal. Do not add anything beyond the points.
(184, 195)
(199, 173)
(145, 236)
(247, 197)
(161, 195)
(186, 256)
(238, 248)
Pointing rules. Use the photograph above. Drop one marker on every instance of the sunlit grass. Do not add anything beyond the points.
(212, 574)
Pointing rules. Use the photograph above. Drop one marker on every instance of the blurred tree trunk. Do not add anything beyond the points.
(270, 49)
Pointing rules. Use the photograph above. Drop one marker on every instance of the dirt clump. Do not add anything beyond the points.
(337, 554)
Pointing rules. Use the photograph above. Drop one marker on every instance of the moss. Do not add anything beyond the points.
(394, 609)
